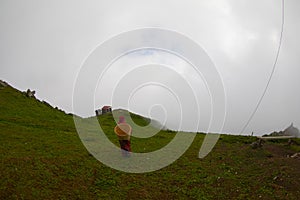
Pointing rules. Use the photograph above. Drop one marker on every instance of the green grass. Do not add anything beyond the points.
(42, 157)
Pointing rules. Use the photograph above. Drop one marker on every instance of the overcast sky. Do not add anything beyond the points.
(44, 44)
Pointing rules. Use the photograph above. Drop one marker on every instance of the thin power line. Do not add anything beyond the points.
(271, 75)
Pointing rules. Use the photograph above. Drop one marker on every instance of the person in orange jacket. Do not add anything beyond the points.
(123, 131)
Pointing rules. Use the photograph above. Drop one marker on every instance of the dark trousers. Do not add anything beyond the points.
(125, 147)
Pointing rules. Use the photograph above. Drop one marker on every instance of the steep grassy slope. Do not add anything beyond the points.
(42, 157)
(19, 109)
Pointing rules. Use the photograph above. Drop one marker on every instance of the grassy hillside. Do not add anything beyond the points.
(42, 157)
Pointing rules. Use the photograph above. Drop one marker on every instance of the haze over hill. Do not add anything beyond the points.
(154, 122)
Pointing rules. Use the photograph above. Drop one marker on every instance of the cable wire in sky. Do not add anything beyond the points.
(271, 75)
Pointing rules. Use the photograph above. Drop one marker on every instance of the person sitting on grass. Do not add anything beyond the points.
(123, 131)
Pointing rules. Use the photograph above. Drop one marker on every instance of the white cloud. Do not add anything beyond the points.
(43, 43)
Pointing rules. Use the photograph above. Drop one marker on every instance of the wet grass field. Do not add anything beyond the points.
(42, 157)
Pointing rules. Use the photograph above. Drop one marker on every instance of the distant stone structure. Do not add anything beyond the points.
(103, 110)
(30, 93)
(291, 131)
(106, 109)
(98, 112)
